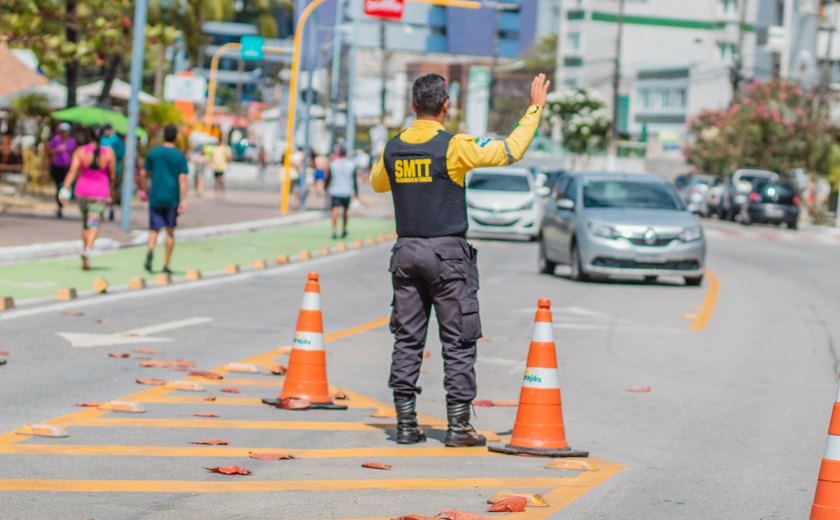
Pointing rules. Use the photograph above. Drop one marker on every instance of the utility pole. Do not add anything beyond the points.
(383, 93)
(335, 69)
(616, 80)
(137, 47)
(737, 73)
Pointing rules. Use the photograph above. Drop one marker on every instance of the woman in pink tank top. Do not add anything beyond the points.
(95, 167)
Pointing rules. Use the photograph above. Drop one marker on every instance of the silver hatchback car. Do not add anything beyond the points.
(613, 224)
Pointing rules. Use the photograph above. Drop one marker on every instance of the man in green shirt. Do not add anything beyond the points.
(166, 168)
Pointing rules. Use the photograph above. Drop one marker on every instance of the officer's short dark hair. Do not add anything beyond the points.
(170, 133)
(429, 94)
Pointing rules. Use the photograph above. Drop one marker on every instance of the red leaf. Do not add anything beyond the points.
(643, 390)
(426, 354)
(205, 414)
(146, 351)
(151, 381)
(493, 403)
(229, 470)
(210, 398)
(509, 505)
(454, 514)
(230, 390)
(293, 404)
(270, 456)
(181, 369)
(92, 404)
(376, 465)
(183, 363)
(341, 396)
(278, 370)
(155, 363)
(119, 354)
(3, 353)
(208, 375)
(211, 442)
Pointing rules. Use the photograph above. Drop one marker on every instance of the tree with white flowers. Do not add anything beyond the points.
(583, 120)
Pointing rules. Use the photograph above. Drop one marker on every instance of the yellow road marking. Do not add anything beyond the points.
(231, 451)
(709, 303)
(213, 424)
(261, 486)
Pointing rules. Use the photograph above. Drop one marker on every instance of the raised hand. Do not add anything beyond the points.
(539, 90)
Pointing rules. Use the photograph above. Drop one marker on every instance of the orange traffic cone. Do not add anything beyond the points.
(306, 377)
(538, 429)
(827, 497)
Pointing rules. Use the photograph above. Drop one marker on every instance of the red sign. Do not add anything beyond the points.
(390, 9)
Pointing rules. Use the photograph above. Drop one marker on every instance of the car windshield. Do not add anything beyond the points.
(752, 178)
(629, 194)
(498, 182)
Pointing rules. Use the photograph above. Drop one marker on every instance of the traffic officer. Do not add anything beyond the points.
(431, 263)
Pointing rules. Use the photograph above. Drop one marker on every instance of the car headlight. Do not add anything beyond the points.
(527, 205)
(473, 206)
(691, 234)
(602, 230)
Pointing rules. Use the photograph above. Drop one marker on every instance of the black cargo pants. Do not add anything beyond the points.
(439, 271)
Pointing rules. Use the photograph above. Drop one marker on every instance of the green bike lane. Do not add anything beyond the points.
(42, 278)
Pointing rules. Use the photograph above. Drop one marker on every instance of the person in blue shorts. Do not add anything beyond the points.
(165, 179)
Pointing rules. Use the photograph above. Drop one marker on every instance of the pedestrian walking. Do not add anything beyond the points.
(165, 176)
(342, 186)
(95, 167)
(113, 141)
(431, 263)
(222, 156)
(62, 146)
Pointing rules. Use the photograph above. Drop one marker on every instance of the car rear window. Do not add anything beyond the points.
(776, 192)
(498, 182)
(629, 194)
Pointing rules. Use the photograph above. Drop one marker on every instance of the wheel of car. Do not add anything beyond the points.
(578, 273)
(544, 265)
(694, 281)
(651, 279)
(793, 225)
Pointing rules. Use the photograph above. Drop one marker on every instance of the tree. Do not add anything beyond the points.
(68, 35)
(583, 119)
(775, 125)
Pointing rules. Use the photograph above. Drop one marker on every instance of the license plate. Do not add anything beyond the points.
(650, 258)
(775, 212)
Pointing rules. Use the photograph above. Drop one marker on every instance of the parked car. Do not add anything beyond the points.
(772, 202)
(546, 177)
(614, 224)
(694, 191)
(503, 201)
(739, 188)
(714, 198)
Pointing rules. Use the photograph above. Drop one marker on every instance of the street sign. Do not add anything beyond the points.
(252, 48)
(184, 88)
(390, 9)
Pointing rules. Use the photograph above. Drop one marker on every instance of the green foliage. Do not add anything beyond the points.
(542, 56)
(584, 121)
(159, 115)
(33, 104)
(774, 126)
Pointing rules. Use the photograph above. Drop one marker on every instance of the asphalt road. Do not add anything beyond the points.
(734, 425)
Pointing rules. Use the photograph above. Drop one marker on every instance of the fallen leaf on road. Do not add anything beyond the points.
(210, 398)
(493, 403)
(341, 396)
(509, 505)
(413, 517)
(643, 390)
(72, 313)
(119, 354)
(230, 390)
(141, 357)
(211, 442)
(207, 375)
(205, 414)
(454, 514)
(293, 404)
(3, 353)
(92, 404)
(145, 350)
(270, 456)
(229, 470)
(151, 381)
(183, 363)
(277, 370)
(155, 363)
(376, 465)
(426, 354)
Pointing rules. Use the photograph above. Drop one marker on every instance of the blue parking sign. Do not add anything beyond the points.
(252, 48)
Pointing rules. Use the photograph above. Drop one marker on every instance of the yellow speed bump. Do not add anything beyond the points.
(163, 279)
(533, 499)
(382, 238)
(341, 247)
(42, 430)
(122, 406)
(137, 283)
(188, 386)
(6, 303)
(66, 294)
(282, 259)
(574, 464)
(259, 264)
(193, 275)
(231, 269)
(369, 241)
(100, 286)
(324, 250)
(304, 255)
(392, 235)
(243, 367)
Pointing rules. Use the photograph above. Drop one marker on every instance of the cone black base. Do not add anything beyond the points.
(507, 449)
(313, 406)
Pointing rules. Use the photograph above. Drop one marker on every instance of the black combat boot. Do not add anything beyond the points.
(461, 433)
(408, 431)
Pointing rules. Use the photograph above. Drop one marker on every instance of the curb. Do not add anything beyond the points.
(14, 254)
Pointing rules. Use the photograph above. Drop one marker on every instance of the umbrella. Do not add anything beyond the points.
(88, 116)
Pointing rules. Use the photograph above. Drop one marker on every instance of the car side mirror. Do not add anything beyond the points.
(543, 191)
(567, 204)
